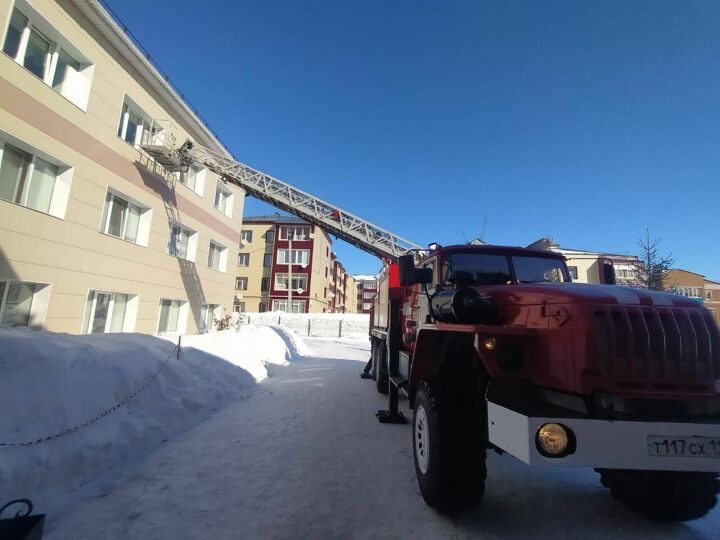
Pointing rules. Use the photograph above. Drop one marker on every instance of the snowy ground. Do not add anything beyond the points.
(106, 400)
(304, 457)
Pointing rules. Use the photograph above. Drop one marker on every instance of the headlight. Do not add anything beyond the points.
(555, 440)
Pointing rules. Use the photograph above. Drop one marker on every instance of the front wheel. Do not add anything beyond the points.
(663, 495)
(449, 454)
(381, 367)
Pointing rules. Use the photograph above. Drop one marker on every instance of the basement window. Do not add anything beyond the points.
(37, 46)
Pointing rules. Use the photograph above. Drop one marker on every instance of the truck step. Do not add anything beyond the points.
(399, 382)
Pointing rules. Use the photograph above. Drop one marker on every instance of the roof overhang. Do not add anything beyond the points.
(116, 35)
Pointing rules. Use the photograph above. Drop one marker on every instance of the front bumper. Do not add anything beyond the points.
(606, 444)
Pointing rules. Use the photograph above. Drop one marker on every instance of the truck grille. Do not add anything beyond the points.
(656, 349)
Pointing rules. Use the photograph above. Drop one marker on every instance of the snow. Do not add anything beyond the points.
(52, 382)
(304, 457)
(332, 325)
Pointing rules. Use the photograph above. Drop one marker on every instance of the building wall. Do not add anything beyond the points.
(711, 298)
(251, 298)
(70, 253)
(318, 270)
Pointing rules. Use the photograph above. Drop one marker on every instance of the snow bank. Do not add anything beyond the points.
(51, 382)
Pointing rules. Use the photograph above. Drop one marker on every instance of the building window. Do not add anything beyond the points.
(137, 127)
(217, 257)
(223, 199)
(23, 304)
(689, 292)
(207, 317)
(327, 251)
(708, 295)
(243, 259)
(299, 282)
(573, 272)
(173, 316)
(241, 284)
(42, 50)
(265, 284)
(109, 312)
(239, 307)
(267, 260)
(246, 237)
(269, 237)
(194, 178)
(182, 242)
(123, 219)
(32, 181)
(294, 232)
(299, 256)
(263, 307)
(298, 306)
(325, 292)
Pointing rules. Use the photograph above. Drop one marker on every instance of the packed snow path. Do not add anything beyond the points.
(304, 457)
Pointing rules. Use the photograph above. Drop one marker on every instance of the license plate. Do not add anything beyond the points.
(704, 447)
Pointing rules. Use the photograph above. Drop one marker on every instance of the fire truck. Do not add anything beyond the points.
(496, 349)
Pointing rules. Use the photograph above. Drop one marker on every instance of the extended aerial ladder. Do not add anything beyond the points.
(336, 221)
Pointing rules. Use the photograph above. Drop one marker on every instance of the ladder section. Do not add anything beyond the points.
(334, 220)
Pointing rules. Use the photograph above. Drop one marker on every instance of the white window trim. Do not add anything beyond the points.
(143, 233)
(220, 186)
(304, 254)
(222, 263)
(61, 189)
(183, 313)
(131, 309)
(280, 277)
(200, 175)
(246, 256)
(77, 93)
(192, 242)
(38, 305)
(239, 280)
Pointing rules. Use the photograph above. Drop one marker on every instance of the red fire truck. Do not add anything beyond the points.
(497, 349)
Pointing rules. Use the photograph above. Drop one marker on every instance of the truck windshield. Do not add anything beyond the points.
(488, 269)
(539, 269)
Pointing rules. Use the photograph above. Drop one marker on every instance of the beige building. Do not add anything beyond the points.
(588, 266)
(351, 292)
(95, 236)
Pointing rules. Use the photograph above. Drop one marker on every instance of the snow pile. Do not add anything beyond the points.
(53, 382)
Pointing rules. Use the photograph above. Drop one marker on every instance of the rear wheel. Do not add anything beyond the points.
(663, 495)
(448, 449)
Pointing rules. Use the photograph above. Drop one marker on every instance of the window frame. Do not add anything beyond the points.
(191, 244)
(241, 283)
(108, 206)
(221, 258)
(246, 236)
(127, 324)
(74, 88)
(267, 260)
(290, 254)
(282, 277)
(60, 194)
(246, 259)
(181, 323)
(226, 209)
(38, 303)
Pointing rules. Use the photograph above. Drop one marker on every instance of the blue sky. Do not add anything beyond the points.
(585, 121)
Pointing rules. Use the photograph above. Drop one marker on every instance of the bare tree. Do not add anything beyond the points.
(654, 267)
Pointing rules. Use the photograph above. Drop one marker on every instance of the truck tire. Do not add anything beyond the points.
(667, 496)
(381, 367)
(448, 449)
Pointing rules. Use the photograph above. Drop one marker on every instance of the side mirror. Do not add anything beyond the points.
(410, 275)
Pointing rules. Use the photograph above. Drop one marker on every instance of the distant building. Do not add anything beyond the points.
(696, 287)
(587, 266)
(287, 264)
(367, 286)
